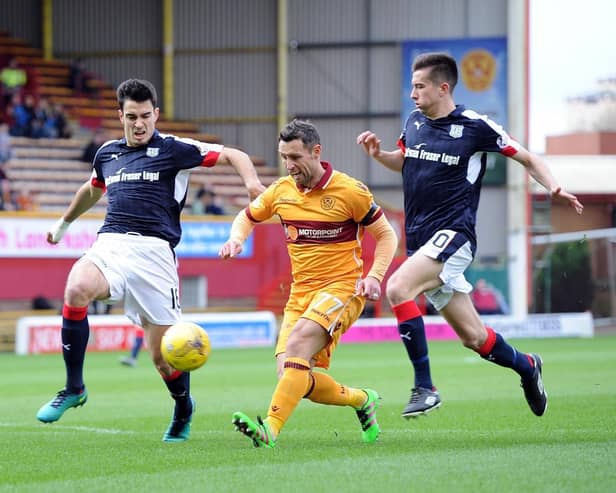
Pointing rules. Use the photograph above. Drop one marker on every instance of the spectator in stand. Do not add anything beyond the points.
(58, 121)
(6, 153)
(23, 114)
(79, 78)
(98, 139)
(12, 79)
(6, 150)
(39, 124)
(5, 191)
(6, 116)
(26, 200)
(205, 203)
(488, 300)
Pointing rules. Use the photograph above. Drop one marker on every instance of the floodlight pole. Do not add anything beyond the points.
(517, 181)
(282, 53)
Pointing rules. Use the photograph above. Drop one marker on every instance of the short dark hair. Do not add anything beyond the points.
(444, 68)
(136, 90)
(303, 130)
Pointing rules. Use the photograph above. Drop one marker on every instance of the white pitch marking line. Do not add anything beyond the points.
(89, 429)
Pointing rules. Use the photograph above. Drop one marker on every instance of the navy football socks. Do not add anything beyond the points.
(413, 336)
(75, 335)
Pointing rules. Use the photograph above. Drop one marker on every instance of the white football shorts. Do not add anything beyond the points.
(454, 250)
(141, 271)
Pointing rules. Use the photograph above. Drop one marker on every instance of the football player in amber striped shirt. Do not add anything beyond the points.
(324, 214)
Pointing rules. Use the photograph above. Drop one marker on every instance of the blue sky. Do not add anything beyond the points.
(571, 47)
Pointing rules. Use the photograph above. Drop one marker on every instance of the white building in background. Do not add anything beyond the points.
(595, 111)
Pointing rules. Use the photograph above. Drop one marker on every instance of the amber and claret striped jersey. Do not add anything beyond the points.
(323, 226)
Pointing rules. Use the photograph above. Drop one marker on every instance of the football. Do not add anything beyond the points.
(185, 346)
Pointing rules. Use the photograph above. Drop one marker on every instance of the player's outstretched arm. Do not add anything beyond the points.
(371, 145)
(386, 244)
(83, 200)
(542, 175)
(240, 230)
(245, 168)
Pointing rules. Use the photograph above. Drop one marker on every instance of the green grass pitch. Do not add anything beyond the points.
(484, 437)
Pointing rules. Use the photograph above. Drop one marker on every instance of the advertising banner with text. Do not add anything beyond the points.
(26, 237)
(535, 325)
(41, 335)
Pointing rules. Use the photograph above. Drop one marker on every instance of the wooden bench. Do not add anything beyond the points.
(212, 178)
(48, 177)
(96, 112)
(48, 90)
(57, 153)
(40, 62)
(79, 101)
(48, 164)
(19, 51)
(6, 40)
(17, 142)
(43, 186)
(53, 80)
(53, 71)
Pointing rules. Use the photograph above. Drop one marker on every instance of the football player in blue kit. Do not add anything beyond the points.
(441, 155)
(145, 177)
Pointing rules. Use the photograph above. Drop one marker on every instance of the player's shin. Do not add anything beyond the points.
(289, 391)
(178, 384)
(75, 335)
(325, 390)
(497, 350)
(413, 336)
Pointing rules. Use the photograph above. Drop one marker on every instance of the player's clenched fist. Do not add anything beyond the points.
(56, 232)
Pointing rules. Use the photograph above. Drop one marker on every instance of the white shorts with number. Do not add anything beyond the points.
(142, 271)
(454, 250)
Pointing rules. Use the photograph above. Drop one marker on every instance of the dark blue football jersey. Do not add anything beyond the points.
(147, 185)
(444, 163)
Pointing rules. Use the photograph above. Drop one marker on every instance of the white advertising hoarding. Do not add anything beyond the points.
(40, 335)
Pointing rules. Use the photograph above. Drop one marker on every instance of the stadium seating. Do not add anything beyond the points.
(51, 168)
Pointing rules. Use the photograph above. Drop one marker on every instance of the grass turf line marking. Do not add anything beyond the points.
(88, 429)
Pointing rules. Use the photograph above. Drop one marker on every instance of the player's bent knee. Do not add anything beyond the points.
(162, 366)
(395, 291)
(78, 294)
(472, 341)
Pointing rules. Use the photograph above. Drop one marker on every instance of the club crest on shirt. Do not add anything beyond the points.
(328, 202)
(456, 131)
(151, 151)
(291, 232)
